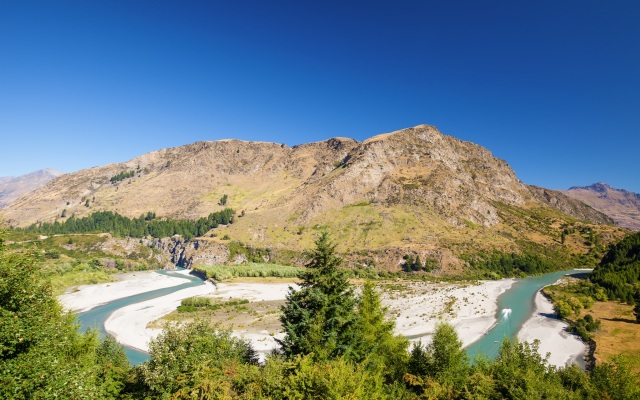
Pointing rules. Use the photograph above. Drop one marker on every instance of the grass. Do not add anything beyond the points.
(619, 333)
(192, 304)
(223, 272)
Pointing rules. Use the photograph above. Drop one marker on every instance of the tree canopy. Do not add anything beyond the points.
(145, 225)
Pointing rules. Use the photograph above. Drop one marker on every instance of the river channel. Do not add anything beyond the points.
(519, 299)
(515, 306)
(96, 317)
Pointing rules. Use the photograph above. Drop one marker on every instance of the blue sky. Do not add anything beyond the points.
(552, 87)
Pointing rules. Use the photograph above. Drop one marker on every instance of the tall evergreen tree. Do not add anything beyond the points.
(376, 342)
(319, 318)
(636, 308)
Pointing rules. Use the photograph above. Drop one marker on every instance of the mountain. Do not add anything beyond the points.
(621, 205)
(13, 187)
(410, 191)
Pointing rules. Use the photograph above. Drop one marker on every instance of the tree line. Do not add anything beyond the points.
(122, 176)
(143, 226)
(619, 271)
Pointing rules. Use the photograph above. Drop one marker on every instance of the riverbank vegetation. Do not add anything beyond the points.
(223, 272)
(619, 271)
(337, 345)
(600, 309)
(76, 259)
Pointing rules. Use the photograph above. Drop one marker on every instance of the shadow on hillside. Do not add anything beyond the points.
(627, 320)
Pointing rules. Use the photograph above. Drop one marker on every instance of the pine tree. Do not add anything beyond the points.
(636, 308)
(417, 265)
(319, 318)
(375, 339)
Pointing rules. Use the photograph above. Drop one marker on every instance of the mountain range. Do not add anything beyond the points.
(411, 191)
(621, 205)
(12, 187)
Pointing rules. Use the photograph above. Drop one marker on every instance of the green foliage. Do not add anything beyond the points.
(192, 304)
(42, 354)
(145, 225)
(113, 367)
(223, 200)
(498, 264)
(222, 272)
(619, 270)
(636, 308)
(319, 318)
(252, 254)
(520, 372)
(122, 176)
(182, 357)
(443, 361)
(411, 264)
(585, 327)
(376, 343)
(615, 380)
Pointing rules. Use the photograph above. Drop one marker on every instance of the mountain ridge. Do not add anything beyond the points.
(12, 187)
(620, 204)
(409, 191)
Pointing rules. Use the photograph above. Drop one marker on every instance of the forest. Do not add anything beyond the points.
(337, 344)
(619, 270)
(145, 225)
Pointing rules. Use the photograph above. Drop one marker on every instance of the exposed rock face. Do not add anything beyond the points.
(187, 254)
(621, 205)
(569, 205)
(417, 166)
(13, 187)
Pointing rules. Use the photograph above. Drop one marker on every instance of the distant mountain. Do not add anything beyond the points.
(411, 191)
(621, 205)
(12, 187)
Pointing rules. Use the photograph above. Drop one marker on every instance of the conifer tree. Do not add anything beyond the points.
(375, 339)
(319, 318)
(636, 308)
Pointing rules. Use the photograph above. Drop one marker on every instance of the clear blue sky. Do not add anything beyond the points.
(552, 87)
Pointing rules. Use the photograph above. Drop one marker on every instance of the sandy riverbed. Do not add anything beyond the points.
(85, 297)
(470, 307)
(415, 306)
(544, 326)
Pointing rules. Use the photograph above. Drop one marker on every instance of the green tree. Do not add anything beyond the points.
(441, 369)
(42, 354)
(376, 343)
(636, 308)
(185, 358)
(319, 318)
(113, 367)
(449, 361)
(417, 265)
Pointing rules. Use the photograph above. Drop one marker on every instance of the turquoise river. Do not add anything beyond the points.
(519, 298)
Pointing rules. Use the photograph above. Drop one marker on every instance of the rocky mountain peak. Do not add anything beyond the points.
(621, 205)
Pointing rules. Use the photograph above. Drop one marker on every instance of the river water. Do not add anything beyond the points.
(96, 317)
(520, 300)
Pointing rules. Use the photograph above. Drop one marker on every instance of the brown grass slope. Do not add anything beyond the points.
(414, 190)
(621, 205)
